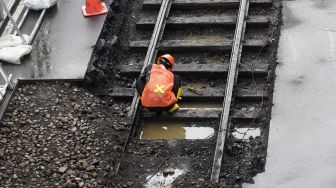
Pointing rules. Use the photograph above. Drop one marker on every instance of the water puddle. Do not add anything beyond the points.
(164, 130)
(163, 179)
(246, 133)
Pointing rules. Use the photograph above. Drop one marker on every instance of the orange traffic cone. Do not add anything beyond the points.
(94, 7)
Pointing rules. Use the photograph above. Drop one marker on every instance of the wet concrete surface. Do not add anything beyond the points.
(302, 140)
(63, 46)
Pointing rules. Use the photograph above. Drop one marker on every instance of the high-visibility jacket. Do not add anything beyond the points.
(158, 91)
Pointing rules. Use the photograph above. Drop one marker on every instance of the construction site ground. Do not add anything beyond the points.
(71, 134)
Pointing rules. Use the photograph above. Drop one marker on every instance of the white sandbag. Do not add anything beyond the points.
(39, 4)
(11, 40)
(14, 54)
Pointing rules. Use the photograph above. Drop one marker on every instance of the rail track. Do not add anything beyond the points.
(221, 53)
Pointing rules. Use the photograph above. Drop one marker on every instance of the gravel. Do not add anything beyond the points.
(59, 135)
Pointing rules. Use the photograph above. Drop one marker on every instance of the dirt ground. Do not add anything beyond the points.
(60, 134)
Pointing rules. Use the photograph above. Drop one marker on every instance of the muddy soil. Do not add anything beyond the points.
(242, 159)
(59, 134)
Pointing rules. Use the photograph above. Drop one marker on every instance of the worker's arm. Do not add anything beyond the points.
(145, 75)
(140, 86)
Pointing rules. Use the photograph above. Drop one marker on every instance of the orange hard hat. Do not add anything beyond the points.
(163, 60)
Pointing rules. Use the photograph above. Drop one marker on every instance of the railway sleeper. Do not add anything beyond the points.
(213, 4)
(200, 113)
(205, 69)
(200, 94)
(208, 45)
(149, 22)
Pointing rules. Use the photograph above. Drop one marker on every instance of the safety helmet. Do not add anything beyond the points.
(167, 60)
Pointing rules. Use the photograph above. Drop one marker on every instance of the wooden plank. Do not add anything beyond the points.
(193, 68)
(203, 93)
(199, 113)
(210, 45)
(231, 81)
(148, 22)
(190, 4)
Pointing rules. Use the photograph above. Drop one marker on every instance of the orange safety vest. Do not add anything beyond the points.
(158, 91)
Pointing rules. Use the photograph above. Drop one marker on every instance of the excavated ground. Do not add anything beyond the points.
(71, 134)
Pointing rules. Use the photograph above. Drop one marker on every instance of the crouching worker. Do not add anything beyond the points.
(159, 88)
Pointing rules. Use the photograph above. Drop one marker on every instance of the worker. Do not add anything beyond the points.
(159, 88)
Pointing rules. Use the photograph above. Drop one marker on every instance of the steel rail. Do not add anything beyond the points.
(150, 57)
(224, 125)
(152, 48)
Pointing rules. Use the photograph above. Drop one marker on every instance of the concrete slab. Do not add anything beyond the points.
(302, 140)
(63, 46)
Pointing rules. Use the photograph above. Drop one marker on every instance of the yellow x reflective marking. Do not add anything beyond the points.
(159, 89)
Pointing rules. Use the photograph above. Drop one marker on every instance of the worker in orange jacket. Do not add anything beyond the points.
(159, 88)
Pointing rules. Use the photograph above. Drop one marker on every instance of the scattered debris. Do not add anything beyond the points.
(246, 133)
(163, 179)
(197, 91)
(12, 48)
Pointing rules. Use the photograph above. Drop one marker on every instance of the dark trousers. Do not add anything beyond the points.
(140, 86)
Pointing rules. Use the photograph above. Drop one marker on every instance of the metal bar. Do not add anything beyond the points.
(150, 56)
(37, 26)
(231, 80)
(2, 16)
(13, 21)
(22, 20)
(7, 79)
(10, 7)
(7, 84)
(3, 23)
